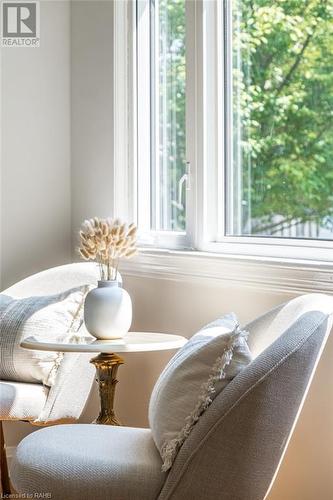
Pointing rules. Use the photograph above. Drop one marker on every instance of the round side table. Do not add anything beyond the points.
(108, 361)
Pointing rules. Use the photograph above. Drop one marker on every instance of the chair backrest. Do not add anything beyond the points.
(55, 280)
(267, 328)
(236, 448)
(75, 370)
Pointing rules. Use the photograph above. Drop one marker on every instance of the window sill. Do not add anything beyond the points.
(278, 274)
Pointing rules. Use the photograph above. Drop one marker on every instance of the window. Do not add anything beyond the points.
(281, 97)
(168, 131)
(162, 140)
(234, 138)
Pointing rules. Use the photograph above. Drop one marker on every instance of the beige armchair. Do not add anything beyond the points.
(36, 403)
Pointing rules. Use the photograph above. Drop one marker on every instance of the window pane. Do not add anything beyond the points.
(168, 192)
(281, 180)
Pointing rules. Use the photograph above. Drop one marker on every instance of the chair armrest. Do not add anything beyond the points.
(68, 396)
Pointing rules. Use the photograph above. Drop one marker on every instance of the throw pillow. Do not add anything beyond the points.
(55, 318)
(199, 371)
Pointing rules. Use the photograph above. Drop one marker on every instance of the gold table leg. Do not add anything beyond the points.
(106, 371)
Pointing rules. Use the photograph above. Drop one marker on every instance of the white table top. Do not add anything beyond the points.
(132, 342)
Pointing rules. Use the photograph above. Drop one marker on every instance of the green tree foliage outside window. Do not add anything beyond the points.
(283, 81)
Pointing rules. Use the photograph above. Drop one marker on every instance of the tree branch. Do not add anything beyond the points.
(297, 61)
(273, 225)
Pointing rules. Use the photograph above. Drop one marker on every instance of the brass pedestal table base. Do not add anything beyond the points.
(107, 362)
(106, 376)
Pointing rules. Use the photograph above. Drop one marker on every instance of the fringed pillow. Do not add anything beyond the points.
(55, 318)
(192, 379)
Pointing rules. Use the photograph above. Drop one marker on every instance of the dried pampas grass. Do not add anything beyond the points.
(107, 241)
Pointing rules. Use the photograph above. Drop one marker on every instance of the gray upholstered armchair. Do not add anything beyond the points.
(36, 403)
(232, 453)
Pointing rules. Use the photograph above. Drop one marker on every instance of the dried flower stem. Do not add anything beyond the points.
(107, 241)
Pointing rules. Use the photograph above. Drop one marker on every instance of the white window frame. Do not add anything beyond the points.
(204, 149)
(142, 87)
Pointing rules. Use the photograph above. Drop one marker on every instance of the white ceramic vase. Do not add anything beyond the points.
(108, 311)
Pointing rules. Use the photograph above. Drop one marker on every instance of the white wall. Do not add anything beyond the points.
(35, 160)
(91, 109)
